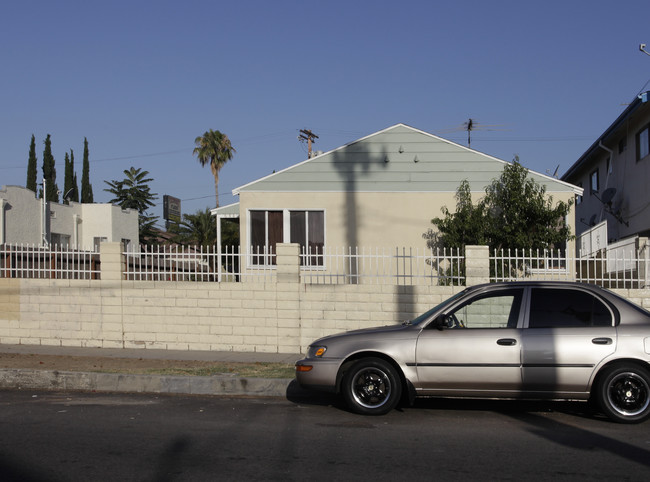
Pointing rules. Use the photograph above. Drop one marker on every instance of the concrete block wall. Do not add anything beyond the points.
(278, 316)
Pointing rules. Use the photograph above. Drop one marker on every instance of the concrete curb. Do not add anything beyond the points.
(116, 382)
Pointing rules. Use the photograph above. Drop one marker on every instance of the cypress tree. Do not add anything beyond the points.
(86, 188)
(31, 166)
(49, 172)
(74, 195)
(70, 188)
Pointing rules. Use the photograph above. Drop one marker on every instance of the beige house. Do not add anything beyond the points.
(25, 219)
(615, 174)
(380, 191)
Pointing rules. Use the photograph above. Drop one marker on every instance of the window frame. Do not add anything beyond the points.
(529, 305)
(267, 258)
(311, 260)
(518, 304)
(643, 135)
(594, 175)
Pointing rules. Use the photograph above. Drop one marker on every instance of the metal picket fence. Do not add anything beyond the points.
(52, 262)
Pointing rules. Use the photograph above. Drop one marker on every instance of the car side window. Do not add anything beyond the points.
(554, 308)
(498, 309)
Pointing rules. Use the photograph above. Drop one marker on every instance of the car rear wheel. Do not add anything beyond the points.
(371, 386)
(624, 393)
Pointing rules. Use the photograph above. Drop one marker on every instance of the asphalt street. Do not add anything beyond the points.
(98, 436)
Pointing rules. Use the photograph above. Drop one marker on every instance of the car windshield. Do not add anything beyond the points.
(427, 315)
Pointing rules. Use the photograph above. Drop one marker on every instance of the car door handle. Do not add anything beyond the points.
(602, 341)
(506, 341)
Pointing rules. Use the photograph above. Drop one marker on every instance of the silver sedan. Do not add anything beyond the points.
(533, 340)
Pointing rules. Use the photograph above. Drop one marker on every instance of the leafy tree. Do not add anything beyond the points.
(31, 166)
(86, 187)
(515, 213)
(133, 192)
(522, 215)
(214, 148)
(70, 189)
(49, 172)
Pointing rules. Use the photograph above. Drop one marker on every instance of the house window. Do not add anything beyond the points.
(622, 145)
(266, 232)
(60, 240)
(595, 185)
(578, 197)
(308, 229)
(643, 143)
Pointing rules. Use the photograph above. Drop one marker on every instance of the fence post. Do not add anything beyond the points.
(477, 265)
(288, 262)
(111, 261)
(643, 255)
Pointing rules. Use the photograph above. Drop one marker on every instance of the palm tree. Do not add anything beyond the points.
(214, 148)
(196, 229)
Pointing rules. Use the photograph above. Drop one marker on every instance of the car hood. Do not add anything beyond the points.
(364, 332)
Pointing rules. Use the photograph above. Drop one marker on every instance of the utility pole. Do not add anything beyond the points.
(309, 136)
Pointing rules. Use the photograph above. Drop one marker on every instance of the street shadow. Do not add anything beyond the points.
(169, 466)
(580, 438)
(299, 395)
(17, 470)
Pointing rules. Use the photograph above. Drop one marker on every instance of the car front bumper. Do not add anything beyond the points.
(322, 374)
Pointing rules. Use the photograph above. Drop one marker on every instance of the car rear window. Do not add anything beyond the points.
(556, 308)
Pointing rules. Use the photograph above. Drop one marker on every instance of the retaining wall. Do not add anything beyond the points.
(280, 316)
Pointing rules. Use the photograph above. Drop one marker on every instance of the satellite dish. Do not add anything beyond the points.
(608, 195)
(592, 221)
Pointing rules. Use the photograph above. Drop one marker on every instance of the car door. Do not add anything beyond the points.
(477, 349)
(569, 331)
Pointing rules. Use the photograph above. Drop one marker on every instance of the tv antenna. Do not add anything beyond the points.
(473, 125)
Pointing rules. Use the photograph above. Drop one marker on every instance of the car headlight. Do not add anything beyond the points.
(316, 351)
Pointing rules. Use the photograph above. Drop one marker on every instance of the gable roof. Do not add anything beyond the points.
(397, 159)
(585, 160)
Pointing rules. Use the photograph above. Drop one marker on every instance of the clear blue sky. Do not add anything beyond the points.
(142, 79)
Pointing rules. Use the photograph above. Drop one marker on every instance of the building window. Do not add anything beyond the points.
(643, 143)
(308, 229)
(622, 145)
(268, 228)
(594, 182)
(266, 232)
(578, 197)
(60, 240)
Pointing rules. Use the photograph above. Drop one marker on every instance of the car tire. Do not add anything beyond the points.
(623, 393)
(372, 386)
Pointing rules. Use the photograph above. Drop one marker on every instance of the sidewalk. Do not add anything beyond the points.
(59, 379)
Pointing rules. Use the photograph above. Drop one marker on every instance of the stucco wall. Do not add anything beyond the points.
(371, 219)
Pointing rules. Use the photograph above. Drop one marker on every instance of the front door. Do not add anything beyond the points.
(478, 350)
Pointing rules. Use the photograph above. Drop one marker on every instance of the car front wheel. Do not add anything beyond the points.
(372, 386)
(624, 393)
